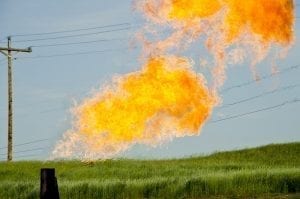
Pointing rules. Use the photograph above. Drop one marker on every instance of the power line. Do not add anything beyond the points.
(76, 35)
(29, 150)
(74, 43)
(45, 101)
(21, 156)
(38, 102)
(75, 53)
(256, 111)
(225, 105)
(213, 121)
(29, 155)
(277, 90)
(262, 78)
(260, 95)
(72, 30)
(27, 143)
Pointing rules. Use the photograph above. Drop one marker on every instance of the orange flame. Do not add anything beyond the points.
(254, 25)
(270, 19)
(191, 9)
(164, 100)
(167, 99)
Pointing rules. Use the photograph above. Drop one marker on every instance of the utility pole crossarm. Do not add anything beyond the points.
(26, 50)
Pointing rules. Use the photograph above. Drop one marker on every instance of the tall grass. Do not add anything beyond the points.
(264, 171)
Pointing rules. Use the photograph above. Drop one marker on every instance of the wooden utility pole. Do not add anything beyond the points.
(7, 51)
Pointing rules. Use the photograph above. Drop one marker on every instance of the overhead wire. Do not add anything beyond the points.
(285, 70)
(29, 155)
(239, 86)
(28, 150)
(213, 121)
(88, 52)
(75, 35)
(75, 53)
(71, 30)
(30, 142)
(23, 156)
(225, 105)
(256, 111)
(260, 95)
(277, 106)
(75, 43)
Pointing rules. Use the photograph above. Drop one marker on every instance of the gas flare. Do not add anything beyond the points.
(167, 98)
(252, 26)
(271, 20)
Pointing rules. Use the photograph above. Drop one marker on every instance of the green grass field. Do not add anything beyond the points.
(271, 171)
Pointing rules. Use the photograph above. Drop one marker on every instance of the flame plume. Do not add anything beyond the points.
(252, 26)
(167, 98)
(271, 20)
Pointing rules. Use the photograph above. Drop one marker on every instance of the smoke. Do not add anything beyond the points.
(167, 98)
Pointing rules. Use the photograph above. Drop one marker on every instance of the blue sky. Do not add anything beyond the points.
(45, 88)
